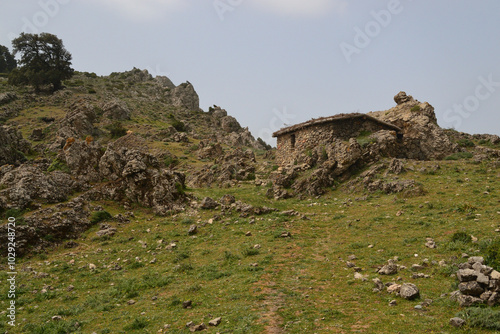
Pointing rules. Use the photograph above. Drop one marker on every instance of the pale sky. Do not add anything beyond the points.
(276, 62)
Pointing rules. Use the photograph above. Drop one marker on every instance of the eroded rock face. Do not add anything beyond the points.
(135, 176)
(12, 145)
(45, 226)
(232, 166)
(27, 183)
(423, 139)
(83, 159)
(78, 122)
(184, 96)
(116, 110)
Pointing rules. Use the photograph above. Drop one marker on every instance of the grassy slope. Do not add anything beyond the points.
(300, 283)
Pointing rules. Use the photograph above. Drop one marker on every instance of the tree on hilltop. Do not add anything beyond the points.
(7, 60)
(44, 61)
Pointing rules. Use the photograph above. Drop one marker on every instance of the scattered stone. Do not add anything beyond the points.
(394, 288)
(360, 277)
(351, 257)
(389, 269)
(215, 322)
(92, 266)
(430, 243)
(350, 264)
(378, 284)
(193, 229)
(409, 291)
(457, 322)
(187, 304)
(208, 203)
(56, 318)
(248, 234)
(418, 307)
(131, 302)
(393, 302)
(285, 235)
(198, 328)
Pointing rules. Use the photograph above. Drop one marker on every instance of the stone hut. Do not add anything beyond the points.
(297, 139)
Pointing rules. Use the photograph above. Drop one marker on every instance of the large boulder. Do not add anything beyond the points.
(423, 139)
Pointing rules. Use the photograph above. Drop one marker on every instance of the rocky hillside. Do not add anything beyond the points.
(139, 210)
(126, 137)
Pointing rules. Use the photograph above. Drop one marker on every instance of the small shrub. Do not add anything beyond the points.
(170, 161)
(492, 253)
(116, 130)
(99, 216)
(58, 165)
(178, 125)
(459, 156)
(416, 108)
(461, 237)
(477, 317)
(465, 143)
(138, 323)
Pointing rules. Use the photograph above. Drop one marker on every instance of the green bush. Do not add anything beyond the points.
(459, 155)
(138, 323)
(465, 143)
(477, 317)
(178, 125)
(461, 237)
(116, 130)
(416, 108)
(100, 216)
(58, 165)
(491, 253)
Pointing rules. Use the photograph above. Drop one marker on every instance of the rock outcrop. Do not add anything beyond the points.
(423, 139)
(27, 183)
(12, 146)
(183, 96)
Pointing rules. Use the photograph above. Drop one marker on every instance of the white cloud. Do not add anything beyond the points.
(143, 9)
(308, 8)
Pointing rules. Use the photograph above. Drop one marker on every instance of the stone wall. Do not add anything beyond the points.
(293, 144)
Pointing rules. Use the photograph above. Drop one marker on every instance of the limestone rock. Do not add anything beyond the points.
(389, 269)
(215, 322)
(116, 110)
(457, 322)
(183, 96)
(409, 291)
(466, 275)
(401, 98)
(12, 145)
(471, 288)
(467, 301)
(208, 203)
